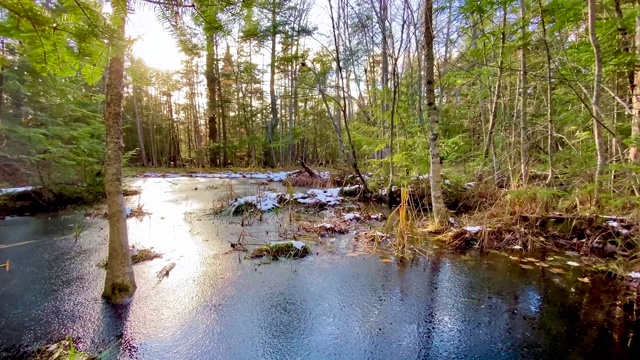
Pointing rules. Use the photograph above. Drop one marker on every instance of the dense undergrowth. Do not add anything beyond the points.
(488, 215)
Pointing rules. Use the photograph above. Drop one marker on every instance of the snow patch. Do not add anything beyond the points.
(618, 226)
(635, 275)
(268, 176)
(377, 217)
(352, 216)
(473, 229)
(296, 244)
(324, 175)
(265, 202)
(15, 190)
(269, 200)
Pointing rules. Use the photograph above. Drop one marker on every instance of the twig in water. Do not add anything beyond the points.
(164, 272)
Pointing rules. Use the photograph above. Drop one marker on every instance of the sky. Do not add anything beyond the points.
(158, 48)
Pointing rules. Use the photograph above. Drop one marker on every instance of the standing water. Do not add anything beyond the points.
(217, 305)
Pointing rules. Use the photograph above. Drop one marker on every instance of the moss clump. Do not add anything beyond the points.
(282, 250)
(120, 288)
(64, 349)
(118, 292)
(244, 208)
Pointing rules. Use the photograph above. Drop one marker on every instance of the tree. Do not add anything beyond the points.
(524, 147)
(597, 85)
(269, 155)
(437, 199)
(634, 152)
(120, 282)
(212, 104)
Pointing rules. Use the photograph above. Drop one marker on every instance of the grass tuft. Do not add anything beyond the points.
(284, 250)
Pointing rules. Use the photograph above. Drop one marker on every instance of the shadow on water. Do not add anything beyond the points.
(215, 305)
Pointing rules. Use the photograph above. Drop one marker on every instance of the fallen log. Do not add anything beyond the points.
(307, 169)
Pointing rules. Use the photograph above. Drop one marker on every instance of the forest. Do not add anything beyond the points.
(524, 92)
(491, 144)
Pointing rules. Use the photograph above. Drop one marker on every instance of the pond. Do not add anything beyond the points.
(215, 304)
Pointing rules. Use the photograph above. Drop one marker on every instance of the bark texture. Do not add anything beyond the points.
(597, 91)
(120, 283)
(634, 152)
(440, 211)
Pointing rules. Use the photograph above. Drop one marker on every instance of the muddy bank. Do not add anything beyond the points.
(36, 200)
(31, 200)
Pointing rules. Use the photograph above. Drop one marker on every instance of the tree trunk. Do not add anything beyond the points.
(143, 153)
(223, 111)
(524, 146)
(212, 102)
(269, 153)
(634, 152)
(597, 81)
(174, 141)
(343, 104)
(119, 283)
(550, 129)
(493, 116)
(2, 69)
(440, 211)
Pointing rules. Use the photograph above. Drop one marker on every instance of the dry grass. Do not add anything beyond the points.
(130, 192)
(324, 229)
(587, 235)
(101, 212)
(138, 212)
(304, 180)
(141, 255)
(144, 255)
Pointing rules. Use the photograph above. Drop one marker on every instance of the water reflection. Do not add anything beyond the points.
(214, 305)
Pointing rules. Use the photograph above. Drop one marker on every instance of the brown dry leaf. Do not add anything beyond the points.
(584, 280)
(353, 254)
(532, 259)
(540, 263)
(526, 266)
(514, 258)
(386, 260)
(557, 271)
